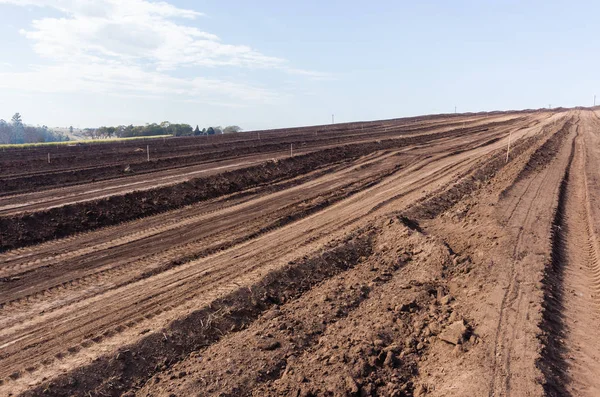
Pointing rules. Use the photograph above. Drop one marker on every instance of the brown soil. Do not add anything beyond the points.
(423, 264)
(25, 170)
(56, 222)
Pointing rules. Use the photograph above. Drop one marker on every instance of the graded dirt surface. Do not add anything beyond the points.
(405, 257)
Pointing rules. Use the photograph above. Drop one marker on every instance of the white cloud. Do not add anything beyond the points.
(103, 8)
(134, 30)
(309, 73)
(129, 47)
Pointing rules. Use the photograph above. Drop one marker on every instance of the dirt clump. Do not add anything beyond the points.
(454, 333)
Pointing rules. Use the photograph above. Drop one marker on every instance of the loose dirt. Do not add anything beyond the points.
(412, 259)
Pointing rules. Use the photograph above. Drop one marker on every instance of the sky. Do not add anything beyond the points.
(272, 63)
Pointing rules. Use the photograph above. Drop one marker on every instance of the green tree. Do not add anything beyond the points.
(231, 128)
(197, 130)
(16, 119)
(5, 132)
(18, 128)
(92, 132)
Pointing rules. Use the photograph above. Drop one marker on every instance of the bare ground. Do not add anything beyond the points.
(432, 268)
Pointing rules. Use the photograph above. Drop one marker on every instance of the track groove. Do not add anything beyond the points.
(508, 321)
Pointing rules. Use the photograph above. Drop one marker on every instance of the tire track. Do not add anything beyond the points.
(500, 382)
(571, 316)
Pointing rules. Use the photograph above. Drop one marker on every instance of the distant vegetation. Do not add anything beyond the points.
(16, 132)
(164, 128)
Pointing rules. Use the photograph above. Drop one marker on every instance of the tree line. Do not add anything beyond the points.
(16, 131)
(164, 128)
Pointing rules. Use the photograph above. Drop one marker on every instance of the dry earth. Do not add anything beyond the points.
(407, 257)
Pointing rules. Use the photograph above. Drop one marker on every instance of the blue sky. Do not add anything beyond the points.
(266, 64)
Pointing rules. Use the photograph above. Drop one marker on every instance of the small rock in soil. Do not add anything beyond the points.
(351, 386)
(389, 359)
(446, 299)
(269, 345)
(271, 314)
(454, 333)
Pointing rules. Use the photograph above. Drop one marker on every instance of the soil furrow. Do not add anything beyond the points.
(231, 312)
(191, 284)
(314, 275)
(216, 241)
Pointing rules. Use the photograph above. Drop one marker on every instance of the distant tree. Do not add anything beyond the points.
(5, 132)
(218, 130)
(30, 135)
(181, 130)
(91, 132)
(128, 131)
(165, 127)
(119, 131)
(18, 128)
(154, 129)
(231, 128)
(71, 129)
(46, 134)
(16, 119)
(197, 130)
(210, 131)
(17, 132)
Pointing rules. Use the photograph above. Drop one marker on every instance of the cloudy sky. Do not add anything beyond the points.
(273, 63)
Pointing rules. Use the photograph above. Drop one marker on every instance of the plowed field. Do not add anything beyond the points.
(404, 257)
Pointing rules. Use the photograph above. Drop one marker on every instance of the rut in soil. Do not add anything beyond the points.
(570, 356)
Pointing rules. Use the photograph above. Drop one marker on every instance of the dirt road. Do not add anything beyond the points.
(430, 267)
